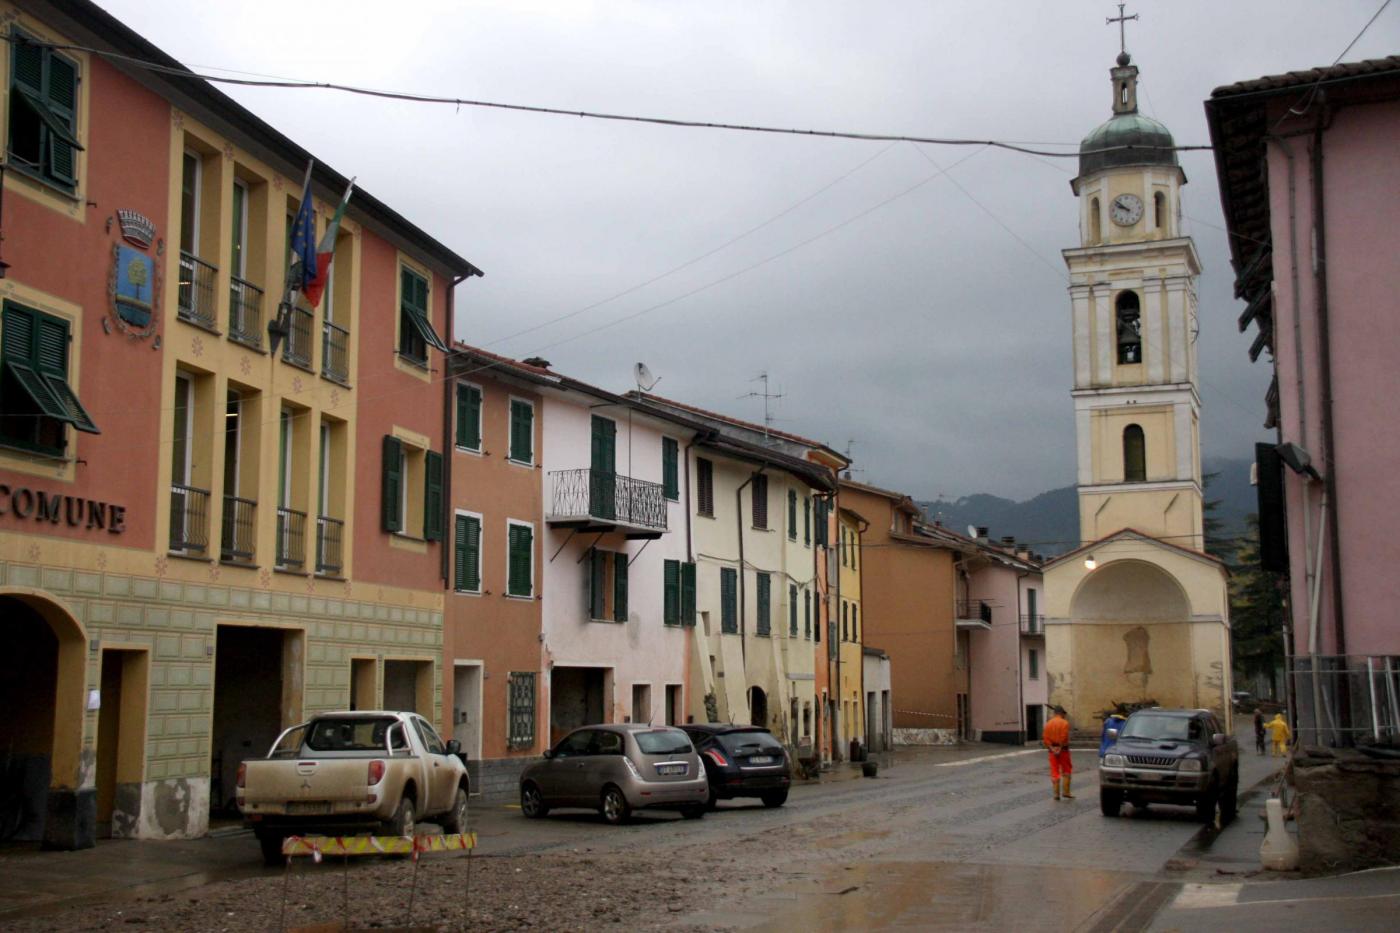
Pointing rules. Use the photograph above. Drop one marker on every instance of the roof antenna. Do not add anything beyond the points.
(645, 380)
(767, 397)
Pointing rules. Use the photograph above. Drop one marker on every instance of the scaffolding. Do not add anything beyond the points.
(1341, 701)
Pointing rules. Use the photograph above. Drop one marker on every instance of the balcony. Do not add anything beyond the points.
(240, 530)
(297, 349)
(591, 500)
(189, 519)
(329, 534)
(974, 614)
(1032, 624)
(245, 320)
(291, 539)
(197, 305)
(335, 353)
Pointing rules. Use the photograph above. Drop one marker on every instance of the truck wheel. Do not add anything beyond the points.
(532, 803)
(401, 823)
(1206, 805)
(455, 820)
(1230, 799)
(615, 808)
(696, 812)
(271, 845)
(775, 798)
(1110, 802)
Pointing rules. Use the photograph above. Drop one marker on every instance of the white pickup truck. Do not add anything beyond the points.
(340, 773)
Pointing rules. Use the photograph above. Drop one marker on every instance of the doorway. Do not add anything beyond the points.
(673, 704)
(576, 698)
(121, 741)
(1034, 723)
(641, 703)
(466, 708)
(364, 686)
(408, 687)
(257, 694)
(758, 706)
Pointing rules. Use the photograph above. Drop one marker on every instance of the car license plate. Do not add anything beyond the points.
(309, 806)
(1149, 775)
(760, 759)
(670, 769)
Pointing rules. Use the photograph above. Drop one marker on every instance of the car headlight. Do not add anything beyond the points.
(1114, 761)
(1191, 764)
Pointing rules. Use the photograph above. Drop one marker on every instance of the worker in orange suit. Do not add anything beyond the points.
(1055, 736)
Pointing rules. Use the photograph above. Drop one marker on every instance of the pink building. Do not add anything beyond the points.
(1308, 177)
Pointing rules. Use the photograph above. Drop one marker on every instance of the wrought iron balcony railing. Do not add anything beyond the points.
(335, 352)
(329, 533)
(1032, 624)
(197, 304)
(291, 539)
(975, 610)
(189, 519)
(297, 349)
(245, 318)
(592, 497)
(239, 531)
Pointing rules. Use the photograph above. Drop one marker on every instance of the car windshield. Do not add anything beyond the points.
(747, 743)
(348, 735)
(664, 742)
(1152, 728)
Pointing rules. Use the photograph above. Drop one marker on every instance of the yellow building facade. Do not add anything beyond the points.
(848, 630)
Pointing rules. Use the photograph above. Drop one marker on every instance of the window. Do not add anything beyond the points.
(855, 550)
(522, 431)
(792, 515)
(1095, 230)
(43, 139)
(238, 260)
(520, 559)
(760, 501)
(468, 417)
(807, 521)
(807, 614)
(291, 522)
(704, 487)
(466, 560)
(792, 610)
(607, 586)
(330, 499)
(408, 472)
(1033, 663)
(416, 332)
(1129, 327)
(763, 603)
(822, 509)
(729, 600)
(1134, 455)
(520, 688)
(671, 593)
(191, 172)
(36, 401)
(670, 468)
(855, 622)
(1159, 210)
(844, 631)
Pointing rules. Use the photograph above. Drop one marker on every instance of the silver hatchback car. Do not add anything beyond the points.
(615, 769)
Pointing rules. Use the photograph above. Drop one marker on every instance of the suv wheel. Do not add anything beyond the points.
(615, 808)
(1110, 802)
(455, 821)
(532, 803)
(1207, 805)
(774, 798)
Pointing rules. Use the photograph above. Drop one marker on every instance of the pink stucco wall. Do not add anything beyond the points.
(997, 661)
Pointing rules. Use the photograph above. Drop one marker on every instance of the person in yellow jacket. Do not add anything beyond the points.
(1278, 730)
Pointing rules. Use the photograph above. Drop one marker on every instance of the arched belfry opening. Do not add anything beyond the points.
(1128, 326)
(1159, 211)
(1095, 229)
(758, 706)
(1134, 455)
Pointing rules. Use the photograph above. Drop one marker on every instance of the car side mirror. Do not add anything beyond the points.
(1217, 739)
(549, 753)
(454, 747)
(1113, 733)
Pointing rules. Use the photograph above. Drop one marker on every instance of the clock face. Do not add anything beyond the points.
(1126, 210)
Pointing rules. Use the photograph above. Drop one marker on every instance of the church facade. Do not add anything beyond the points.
(1139, 612)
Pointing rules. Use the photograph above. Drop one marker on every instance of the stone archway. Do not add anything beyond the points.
(42, 677)
(758, 707)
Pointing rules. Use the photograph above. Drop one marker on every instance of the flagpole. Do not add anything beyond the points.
(280, 326)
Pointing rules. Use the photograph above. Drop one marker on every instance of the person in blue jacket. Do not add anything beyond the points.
(1113, 720)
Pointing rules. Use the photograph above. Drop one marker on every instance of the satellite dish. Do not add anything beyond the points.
(645, 380)
(972, 531)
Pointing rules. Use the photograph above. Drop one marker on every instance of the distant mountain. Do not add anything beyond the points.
(1049, 523)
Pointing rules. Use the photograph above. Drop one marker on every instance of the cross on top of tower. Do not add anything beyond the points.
(1122, 22)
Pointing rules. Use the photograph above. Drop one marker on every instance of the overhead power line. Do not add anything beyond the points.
(1071, 152)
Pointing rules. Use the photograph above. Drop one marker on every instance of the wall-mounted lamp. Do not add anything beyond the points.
(1090, 563)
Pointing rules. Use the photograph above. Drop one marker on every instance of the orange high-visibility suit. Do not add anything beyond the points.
(1056, 740)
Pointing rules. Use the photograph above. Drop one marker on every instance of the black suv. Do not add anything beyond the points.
(1178, 756)
(742, 761)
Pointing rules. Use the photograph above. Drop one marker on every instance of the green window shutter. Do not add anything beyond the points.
(844, 631)
(792, 514)
(51, 349)
(62, 100)
(704, 487)
(459, 553)
(619, 587)
(807, 520)
(764, 603)
(522, 431)
(468, 417)
(729, 600)
(792, 610)
(27, 66)
(17, 337)
(760, 501)
(521, 544)
(597, 581)
(807, 615)
(391, 484)
(432, 496)
(688, 594)
(670, 468)
(671, 593)
(473, 549)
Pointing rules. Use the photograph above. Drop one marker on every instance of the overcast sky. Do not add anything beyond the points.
(922, 319)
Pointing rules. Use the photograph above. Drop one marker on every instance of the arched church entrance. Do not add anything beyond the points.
(41, 727)
(758, 706)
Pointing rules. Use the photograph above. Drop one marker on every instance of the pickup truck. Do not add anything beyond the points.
(1171, 756)
(340, 773)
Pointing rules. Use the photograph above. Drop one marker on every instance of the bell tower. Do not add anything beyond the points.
(1133, 302)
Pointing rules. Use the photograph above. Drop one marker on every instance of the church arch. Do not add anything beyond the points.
(1130, 591)
(758, 706)
(1128, 326)
(1134, 455)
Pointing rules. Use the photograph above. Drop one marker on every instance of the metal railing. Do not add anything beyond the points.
(975, 609)
(245, 319)
(297, 349)
(329, 534)
(291, 539)
(335, 352)
(197, 304)
(608, 498)
(1032, 624)
(189, 519)
(1349, 699)
(240, 529)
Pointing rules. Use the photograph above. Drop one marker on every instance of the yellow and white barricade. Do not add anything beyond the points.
(319, 846)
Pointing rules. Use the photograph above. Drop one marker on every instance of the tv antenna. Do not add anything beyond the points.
(768, 398)
(645, 380)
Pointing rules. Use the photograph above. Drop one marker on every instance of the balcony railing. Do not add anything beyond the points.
(245, 318)
(335, 352)
(240, 529)
(291, 539)
(189, 519)
(297, 349)
(197, 304)
(974, 610)
(1032, 624)
(329, 532)
(594, 498)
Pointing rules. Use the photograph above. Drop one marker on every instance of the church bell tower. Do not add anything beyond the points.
(1133, 298)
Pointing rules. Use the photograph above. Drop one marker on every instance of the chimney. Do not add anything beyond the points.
(1008, 541)
(1024, 553)
(538, 361)
(982, 533)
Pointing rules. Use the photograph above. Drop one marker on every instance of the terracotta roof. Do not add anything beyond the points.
(1141, 535)
(729, 419)
(1292, 79)
(901, 500)
(496, 361)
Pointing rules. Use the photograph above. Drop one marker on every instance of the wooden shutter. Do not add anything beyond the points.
(671, 593)
(760, 501)
(806, 519)
(619, 562)
(473, 554)
(468, 417)
(603, 457)
(764, 603)
(432, 496)
(807, 615)
(459, 553)
(28, 64)
(522, 431)
(729, 600)
(520, 545)
(670, 468)
(792, 610)
(688, 594)
(597, 584)
(704, 486)
(62, 100)
(391, 484)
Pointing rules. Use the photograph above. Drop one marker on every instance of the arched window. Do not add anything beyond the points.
(1134, 455)
(1159, 210)
(1094, 233)
(1129, 327)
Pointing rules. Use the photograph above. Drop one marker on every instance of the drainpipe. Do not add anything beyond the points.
(835, 646)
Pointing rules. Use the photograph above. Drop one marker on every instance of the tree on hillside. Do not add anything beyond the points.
(1217, 543)
(1256, 610)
